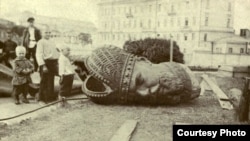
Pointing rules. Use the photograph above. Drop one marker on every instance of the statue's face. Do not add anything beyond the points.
(148, 79)
(145, 80)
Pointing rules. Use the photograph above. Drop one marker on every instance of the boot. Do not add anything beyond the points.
(24, 99)
(17, 102)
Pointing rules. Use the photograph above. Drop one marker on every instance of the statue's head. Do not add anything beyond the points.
(120, 77)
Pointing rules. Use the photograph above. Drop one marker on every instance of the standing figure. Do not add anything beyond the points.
(21, 79)
(47, 58)
(31, 35)
(66, 73)
(1, 52)
(9, 49)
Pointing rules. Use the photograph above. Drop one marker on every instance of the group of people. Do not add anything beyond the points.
(39, 54)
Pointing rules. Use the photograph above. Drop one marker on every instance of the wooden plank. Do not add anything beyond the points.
(205, 85)
(214, 80)
(215, 88)
(125, 131)
(222, 97)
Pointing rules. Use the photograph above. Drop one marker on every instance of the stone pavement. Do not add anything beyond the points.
(9, 109)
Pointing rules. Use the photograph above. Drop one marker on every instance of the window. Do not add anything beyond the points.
(230, 50)
(129, 24)
(229, 6)
(119, 10)
(124, 24)
(150, 8)
(172, 21)
(149, 23)
(194, 20)
(207, 4)
(141, 24)
(134, 23)
(186, 21)
(118, 37)
(205, 37)
(113, 25)
(195, 3)
(159, 24)
(228, 22)
(105, 25)
(193, 36)
(159, 7)
(241, 50)
(172, 8)
(185, 37)
(184, 50)
(165, 22)
(179, 22)
(187, 4)
(206, 21)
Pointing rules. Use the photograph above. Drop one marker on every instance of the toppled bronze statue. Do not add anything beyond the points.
(116, 76)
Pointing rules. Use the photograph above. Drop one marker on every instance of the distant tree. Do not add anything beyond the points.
(155, 50)
(85, 38)
(18, 30)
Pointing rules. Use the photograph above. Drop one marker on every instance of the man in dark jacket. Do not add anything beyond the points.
(9, 49)
(31, 35)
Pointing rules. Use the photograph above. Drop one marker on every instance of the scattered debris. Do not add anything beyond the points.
(125, 131)
(234, 96)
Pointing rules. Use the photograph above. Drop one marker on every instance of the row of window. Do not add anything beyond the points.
(231, 51)
(242, 50)
(149, 23)
(156, 6)
(133, 23)
(123, 36)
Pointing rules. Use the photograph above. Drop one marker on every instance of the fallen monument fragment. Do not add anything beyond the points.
(118, 77)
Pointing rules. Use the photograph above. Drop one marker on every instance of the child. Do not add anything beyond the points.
(66, 73)
(21, 79)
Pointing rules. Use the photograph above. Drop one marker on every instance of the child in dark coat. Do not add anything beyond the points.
(21, 79)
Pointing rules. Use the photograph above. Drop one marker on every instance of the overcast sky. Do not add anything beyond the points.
(87, 9)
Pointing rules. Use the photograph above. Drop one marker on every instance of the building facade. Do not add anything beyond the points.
(191, 23)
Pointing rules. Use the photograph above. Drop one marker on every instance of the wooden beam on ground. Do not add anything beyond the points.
(125, 131)
(222, 97)
(204, 87)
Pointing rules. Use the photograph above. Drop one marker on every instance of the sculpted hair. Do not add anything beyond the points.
(155, 50)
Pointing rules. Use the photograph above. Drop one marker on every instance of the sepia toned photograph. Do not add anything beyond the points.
(124, 70)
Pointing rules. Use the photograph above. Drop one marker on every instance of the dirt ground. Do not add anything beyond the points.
(87, 121)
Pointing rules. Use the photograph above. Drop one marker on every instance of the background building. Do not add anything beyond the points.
(192, 23)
